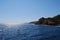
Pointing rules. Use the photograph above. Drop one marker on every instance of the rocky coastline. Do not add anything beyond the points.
(48, 21)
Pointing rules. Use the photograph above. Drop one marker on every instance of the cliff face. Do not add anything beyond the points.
(49, 21)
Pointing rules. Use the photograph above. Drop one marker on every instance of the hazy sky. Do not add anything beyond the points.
(20, 11)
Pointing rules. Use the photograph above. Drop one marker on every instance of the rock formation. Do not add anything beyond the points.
(49, 21)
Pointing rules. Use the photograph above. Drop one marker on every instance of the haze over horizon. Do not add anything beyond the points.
(21, 11)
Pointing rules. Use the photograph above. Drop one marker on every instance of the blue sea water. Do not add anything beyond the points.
(30, 32)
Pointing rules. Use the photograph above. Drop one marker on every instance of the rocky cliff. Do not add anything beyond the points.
(49, 21)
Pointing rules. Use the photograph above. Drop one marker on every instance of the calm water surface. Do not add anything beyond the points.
(30, 32)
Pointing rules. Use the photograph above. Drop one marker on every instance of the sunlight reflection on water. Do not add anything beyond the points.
(30, 32)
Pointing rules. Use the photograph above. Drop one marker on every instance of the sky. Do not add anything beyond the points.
(21, 11)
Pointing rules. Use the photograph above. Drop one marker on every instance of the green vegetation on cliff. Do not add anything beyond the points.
(49, 21)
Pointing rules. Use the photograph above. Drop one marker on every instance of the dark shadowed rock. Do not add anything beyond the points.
(49, 21)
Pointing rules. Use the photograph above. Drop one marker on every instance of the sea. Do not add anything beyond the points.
(30, 32)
